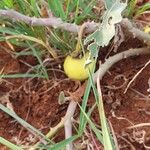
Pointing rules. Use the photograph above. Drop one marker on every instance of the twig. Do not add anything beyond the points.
(114, 136)
(79, 41)
(146, 97)
(93, 139)
(139, 125)
(130, 144)
(136, 75)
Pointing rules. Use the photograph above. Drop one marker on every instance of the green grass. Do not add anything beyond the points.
(9, 144)
(134, 11)
(107, 139)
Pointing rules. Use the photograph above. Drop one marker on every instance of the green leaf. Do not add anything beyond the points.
(109, 3)
(61, 98)
(106, 31)
(94, 50)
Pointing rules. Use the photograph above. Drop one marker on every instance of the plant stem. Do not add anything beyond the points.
(114, 59)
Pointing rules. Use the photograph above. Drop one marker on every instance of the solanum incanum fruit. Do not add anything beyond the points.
(75, 67)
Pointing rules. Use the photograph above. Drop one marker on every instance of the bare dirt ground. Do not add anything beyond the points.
(36, 100)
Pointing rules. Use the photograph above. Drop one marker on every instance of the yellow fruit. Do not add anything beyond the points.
(75, 68)
(147, 29)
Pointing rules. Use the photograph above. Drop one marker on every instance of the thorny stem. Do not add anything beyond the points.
(136, 32)
(114, 59)
(53, 21)
(71, 27)
(68, 123)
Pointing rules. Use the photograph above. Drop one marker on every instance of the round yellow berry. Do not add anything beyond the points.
(75, 68)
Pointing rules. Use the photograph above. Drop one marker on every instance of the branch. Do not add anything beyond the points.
(114, 59)
(68, 122)
(71, 27)
(53, 22)
(136, 32)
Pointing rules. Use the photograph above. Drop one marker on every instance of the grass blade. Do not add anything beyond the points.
(21, 76)
(107, 138)
(84, 104)
(77, 11)
(142, 9)
(131, 8)
(35, 53)
(67, 9)
(56, 7)
(51, 51)
(7, 30)
(35, 8)
(86, 12)
(63, 143)
(9, 144)
(21, 121)
(8, 3)
(97, 132)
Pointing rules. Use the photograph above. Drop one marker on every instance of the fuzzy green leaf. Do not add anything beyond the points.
(106, 31)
